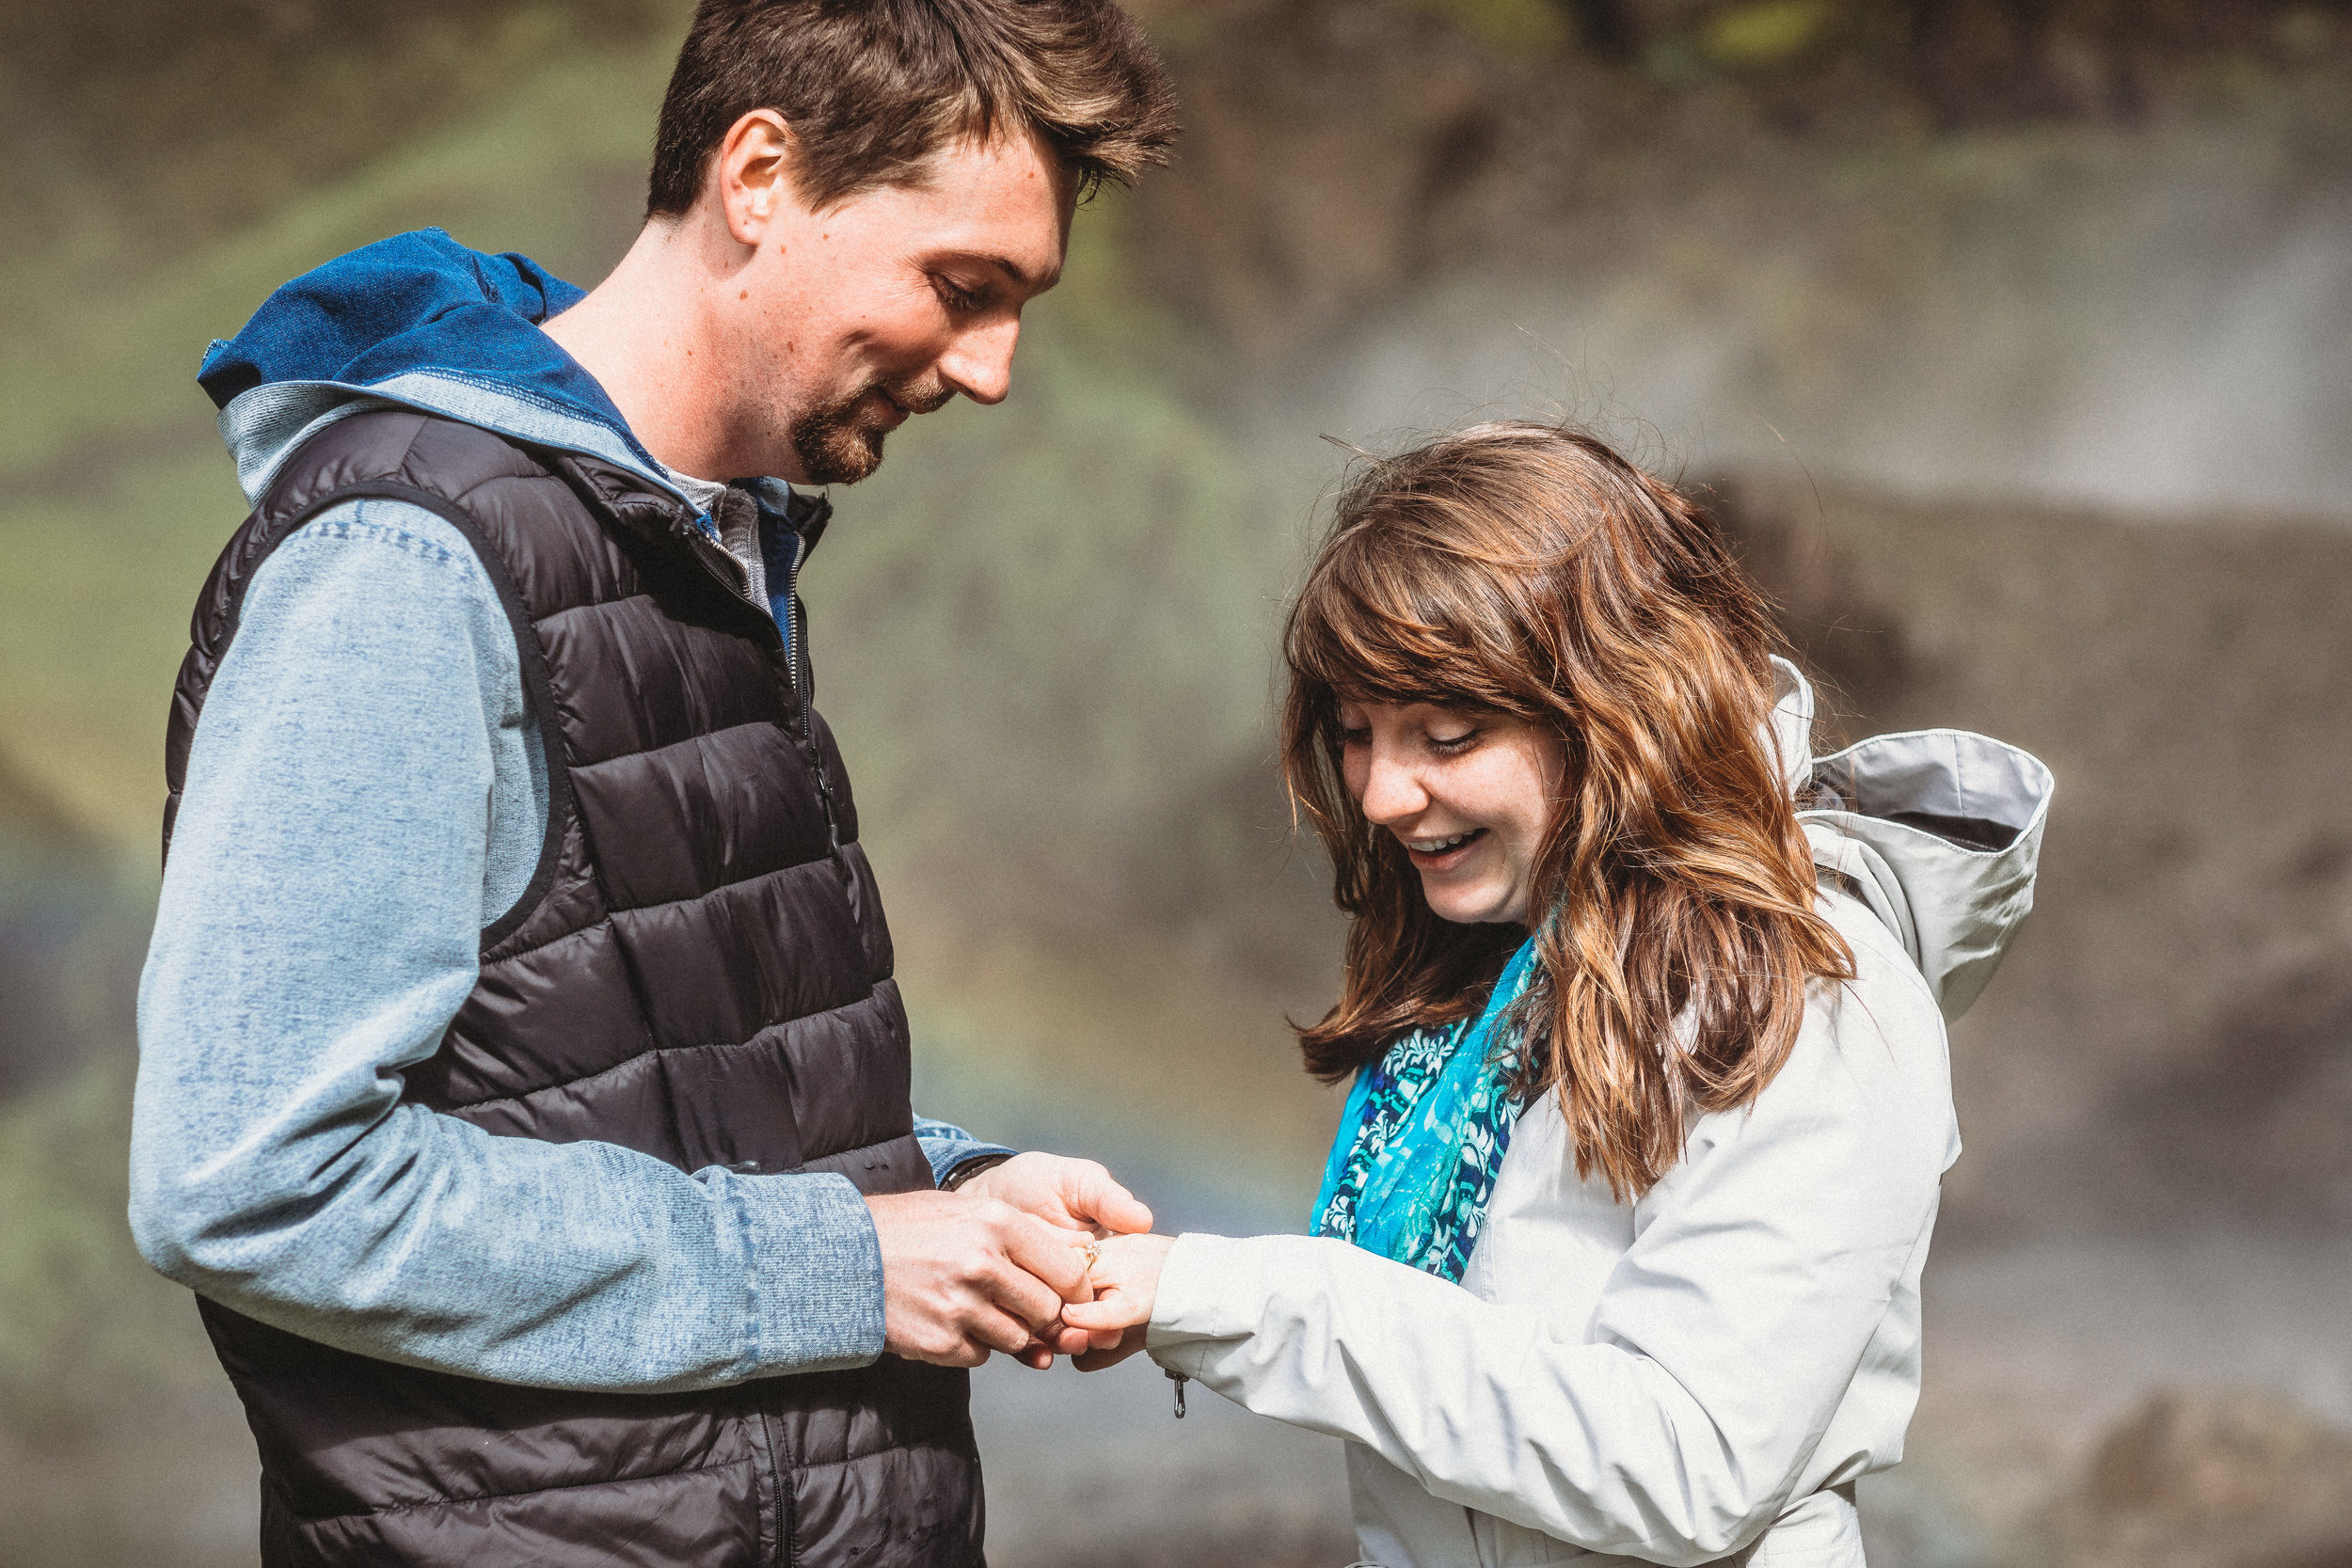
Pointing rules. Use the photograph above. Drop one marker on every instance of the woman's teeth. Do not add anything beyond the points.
(1440, 845)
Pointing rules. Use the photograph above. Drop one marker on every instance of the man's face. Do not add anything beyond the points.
(847, 320)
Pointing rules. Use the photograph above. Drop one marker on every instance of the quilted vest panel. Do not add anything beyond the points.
(700, 971)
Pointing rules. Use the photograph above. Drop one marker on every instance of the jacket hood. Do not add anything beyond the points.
(417, 321)
(1938, 831)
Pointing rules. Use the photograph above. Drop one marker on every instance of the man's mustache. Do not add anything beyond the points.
(917, 397)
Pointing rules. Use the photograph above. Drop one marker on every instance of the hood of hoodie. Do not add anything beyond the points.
(417, 320)
(1938, 831)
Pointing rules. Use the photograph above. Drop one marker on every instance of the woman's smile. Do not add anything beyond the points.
(1437, 856)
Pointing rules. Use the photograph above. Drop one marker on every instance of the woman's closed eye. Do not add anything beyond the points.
(1454, 745)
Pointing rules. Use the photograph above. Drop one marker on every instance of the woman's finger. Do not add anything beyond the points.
(1095, 1360)
(1067, 1340)
(1113, 1310)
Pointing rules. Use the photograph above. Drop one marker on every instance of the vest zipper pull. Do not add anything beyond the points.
(1180, 1380)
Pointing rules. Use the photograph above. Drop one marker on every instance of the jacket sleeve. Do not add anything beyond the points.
(1676, 1423)
(949, 1147)
(318, 929)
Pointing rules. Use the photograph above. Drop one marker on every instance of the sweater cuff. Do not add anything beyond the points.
(814, 1271)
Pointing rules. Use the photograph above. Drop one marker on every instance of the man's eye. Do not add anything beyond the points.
(956, 298)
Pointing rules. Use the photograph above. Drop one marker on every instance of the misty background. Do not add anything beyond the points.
(2009, 337)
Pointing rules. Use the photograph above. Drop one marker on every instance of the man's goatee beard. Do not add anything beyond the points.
(836, 447)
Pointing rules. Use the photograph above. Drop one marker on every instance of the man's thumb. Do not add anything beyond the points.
(1114, 1208)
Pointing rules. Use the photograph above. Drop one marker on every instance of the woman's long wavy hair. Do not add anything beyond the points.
(1529, 570)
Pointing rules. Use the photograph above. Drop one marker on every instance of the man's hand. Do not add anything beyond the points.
(1079, 1195)
(1076, 1194)
(965, 1274)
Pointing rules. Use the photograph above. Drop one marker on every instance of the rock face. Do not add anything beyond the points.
(2172, 1033)
(2209, 1481)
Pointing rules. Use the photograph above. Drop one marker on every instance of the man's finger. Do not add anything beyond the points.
(949, 1350)
(997, 1331)
(1021, 1294)
(1051, 1254)
(1106, 1203)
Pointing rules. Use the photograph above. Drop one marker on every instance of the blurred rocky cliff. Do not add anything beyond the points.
(2171, 1038)
(2006, 334)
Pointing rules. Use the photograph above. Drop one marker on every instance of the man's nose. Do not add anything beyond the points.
(978, 363)
(1392, 793)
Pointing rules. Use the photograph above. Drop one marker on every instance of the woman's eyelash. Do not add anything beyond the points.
(1448, 745)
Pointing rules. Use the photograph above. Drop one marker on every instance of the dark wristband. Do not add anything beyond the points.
(971, 1169)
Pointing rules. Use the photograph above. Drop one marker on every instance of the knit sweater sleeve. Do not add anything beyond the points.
(334, 862)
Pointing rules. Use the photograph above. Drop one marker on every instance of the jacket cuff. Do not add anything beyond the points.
(947, 1148)
(1212, 1288)
(813, 1273)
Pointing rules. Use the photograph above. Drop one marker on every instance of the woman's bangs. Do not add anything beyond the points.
(1359, 634)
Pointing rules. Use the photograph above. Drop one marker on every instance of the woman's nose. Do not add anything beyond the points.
(1392, 793)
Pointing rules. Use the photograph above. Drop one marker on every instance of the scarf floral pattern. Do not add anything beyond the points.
(1423, 1136)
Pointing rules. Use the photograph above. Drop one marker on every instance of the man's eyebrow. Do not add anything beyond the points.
(1019, 274)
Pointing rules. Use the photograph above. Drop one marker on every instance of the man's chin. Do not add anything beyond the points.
(836, 455)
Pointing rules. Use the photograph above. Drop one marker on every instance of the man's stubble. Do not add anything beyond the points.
(840, 444)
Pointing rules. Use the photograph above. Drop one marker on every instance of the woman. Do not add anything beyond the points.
(1618, 1249)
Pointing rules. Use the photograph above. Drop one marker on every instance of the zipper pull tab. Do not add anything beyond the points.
(1180, 1380)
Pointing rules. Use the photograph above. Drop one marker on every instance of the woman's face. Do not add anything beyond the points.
(1468, 795)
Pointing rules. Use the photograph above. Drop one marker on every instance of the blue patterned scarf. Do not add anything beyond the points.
(1422, 1138)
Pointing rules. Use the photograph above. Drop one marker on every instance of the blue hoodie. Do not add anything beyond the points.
(364, 794)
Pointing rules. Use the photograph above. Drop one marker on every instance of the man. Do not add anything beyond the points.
(522, 1085)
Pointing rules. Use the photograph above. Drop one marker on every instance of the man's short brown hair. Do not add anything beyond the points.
(873, 87)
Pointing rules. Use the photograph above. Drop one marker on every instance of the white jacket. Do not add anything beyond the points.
(1701, 1373)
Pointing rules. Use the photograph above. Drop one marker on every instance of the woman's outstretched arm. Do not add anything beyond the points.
(1741, 1354)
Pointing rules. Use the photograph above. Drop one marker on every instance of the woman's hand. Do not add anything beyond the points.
(1126, 1281)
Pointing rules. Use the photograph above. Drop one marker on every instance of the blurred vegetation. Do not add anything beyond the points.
(147, 127)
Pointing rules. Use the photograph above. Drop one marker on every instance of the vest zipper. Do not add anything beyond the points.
(788, 1509)
(792, 631)
(795, 629)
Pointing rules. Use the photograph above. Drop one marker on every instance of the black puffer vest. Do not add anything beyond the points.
(699, 970)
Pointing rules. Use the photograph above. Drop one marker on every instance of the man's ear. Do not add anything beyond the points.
(752, 174)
